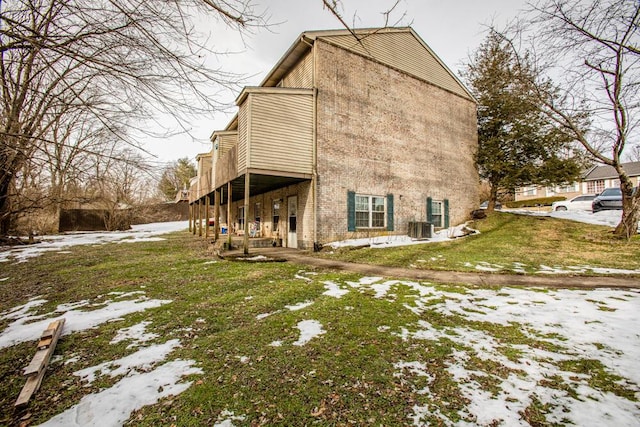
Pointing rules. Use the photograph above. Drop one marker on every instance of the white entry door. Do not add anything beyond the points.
(292, 209)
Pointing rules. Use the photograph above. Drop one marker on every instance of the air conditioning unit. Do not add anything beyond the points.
(420, 230)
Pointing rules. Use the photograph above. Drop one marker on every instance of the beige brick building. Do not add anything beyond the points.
(346, 137)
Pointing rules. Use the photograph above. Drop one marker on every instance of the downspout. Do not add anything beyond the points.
(314, 152)
(314, 171)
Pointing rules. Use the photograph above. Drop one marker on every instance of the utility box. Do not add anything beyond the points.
(420, 230)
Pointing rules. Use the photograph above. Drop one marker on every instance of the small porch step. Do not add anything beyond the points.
(254, 242)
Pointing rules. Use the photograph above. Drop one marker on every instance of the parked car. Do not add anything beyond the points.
(484, 205)
(578, 203)
(609, 199)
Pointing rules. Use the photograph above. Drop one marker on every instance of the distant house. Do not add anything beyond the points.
(593, 181)
(346, 137)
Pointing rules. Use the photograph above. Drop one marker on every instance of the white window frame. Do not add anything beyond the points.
(275, 213)
(241, 217)
(437, 205)
(370, 212)
(594, 188)
(529, 191)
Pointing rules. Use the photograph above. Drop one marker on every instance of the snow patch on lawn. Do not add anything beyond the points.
(606, 218)
(113, 406)
(136, 333)
(23, 310)
(299, 306)
(26, 327)
(518, 267)
(309, 329)
(61, 242)
(141, 360)
(404, 240)
(265, 315)
(226, 419)
(576, 325)
(142, 384)
(334, 290)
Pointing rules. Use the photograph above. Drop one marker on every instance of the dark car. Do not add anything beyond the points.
(609, 199)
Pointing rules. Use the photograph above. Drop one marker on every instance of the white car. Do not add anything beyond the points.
(578, 203)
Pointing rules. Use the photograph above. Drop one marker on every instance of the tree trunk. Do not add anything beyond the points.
(493, 198)
(630, 209)
(5, 205)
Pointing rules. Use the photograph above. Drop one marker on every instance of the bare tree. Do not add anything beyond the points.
(335, 7)
(588, 54)
(120, 61)
(116, 183)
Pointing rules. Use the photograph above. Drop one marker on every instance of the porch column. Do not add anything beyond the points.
(190, 216)
(229, 213)
(246, 213)
(206, 215)
(216, 215)
(199, 218)
(193, 213)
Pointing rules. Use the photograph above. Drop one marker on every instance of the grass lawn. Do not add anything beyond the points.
(512, 243)
(280, 344)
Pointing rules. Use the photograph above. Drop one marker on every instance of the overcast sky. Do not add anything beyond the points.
(452, 29)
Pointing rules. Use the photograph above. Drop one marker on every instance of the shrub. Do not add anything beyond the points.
(542, 201)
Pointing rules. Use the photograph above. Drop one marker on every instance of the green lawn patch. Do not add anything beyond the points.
(388, 353)
(511, 243)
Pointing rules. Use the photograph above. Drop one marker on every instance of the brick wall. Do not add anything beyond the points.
(381, 131)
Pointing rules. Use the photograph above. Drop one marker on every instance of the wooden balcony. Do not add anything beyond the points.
(274, 136)
(201, 187)
(272, 140)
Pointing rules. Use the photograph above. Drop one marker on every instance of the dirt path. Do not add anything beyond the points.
(482, 279)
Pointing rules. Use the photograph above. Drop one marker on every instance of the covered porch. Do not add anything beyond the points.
(267, 149)
(257, 207)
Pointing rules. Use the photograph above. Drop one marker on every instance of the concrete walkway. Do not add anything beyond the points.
(470, 278)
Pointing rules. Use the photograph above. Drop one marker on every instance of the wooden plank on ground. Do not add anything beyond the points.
(36, 369)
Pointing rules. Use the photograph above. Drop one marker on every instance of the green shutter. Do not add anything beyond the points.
(446, 213)
(389, 212)
(429, 210)
(351, 211)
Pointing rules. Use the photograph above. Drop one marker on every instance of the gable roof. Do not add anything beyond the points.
(399, 48)
(606, 171)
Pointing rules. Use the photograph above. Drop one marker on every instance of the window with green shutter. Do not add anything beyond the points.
(365, 211)
(351, 211)
(438, 212)
(446, 213)
(389, 212)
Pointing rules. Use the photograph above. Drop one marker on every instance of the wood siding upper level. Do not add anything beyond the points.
(403, 51)
(274, 136)
(201, 186)
(226, 167)
(223, 142)
(275, 130)
(301, 76)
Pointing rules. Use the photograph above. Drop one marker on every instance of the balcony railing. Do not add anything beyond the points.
(201, 187)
